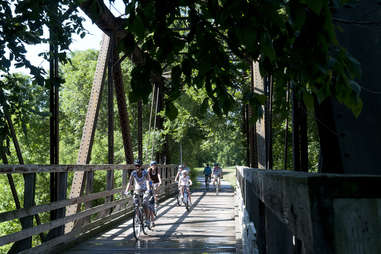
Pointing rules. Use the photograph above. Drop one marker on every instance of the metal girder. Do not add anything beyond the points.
(89, 127)
(259, 87)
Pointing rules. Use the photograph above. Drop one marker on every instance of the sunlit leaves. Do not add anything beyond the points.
(22, 23)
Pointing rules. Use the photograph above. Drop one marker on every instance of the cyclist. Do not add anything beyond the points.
(155, 177)
(184, 184)
(180, 171)
(181, 168)
(207, 173)
(139, 181)
(216, 174)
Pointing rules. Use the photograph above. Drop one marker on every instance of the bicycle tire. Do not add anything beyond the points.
(186, 200)
(179, 199)
(136, 225)
(143, 224)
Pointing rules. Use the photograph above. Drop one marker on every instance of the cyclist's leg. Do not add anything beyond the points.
(189, 195)
(147, 211)
(155, 192)
(136, 203)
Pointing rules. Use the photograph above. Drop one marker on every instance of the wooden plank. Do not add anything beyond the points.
(47, 226)
(305, 202)
(23, 212)
(209, 227)
(76, 235)
(21, 169)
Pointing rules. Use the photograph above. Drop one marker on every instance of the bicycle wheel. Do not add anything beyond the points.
(136, 224)
(186, 200)
(143, 222)
(154, 209)
(179, 199)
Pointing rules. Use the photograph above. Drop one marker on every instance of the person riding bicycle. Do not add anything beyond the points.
(180, 170)
(153, 172)
(184, 183)
(139, 181)
(207, 173)
(216, 174)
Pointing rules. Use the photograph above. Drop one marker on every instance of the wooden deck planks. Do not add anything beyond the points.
(209, 227)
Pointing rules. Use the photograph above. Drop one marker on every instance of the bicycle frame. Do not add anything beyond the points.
(139, 217)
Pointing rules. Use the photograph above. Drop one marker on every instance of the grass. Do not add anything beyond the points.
(228, 172)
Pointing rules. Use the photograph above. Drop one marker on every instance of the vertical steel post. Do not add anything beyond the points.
(89, 128)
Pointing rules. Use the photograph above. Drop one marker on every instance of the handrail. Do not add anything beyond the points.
(311, 212)
(25, 169)
(121, 207)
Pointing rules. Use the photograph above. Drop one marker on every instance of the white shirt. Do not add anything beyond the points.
(184, 181)
(217, 171)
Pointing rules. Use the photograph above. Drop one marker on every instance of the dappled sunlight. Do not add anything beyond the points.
(209, 226)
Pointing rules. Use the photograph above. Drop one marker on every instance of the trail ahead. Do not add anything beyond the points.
(209, 227)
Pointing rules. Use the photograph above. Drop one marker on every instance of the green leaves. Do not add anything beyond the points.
(171, 111)
(137, 27)
(140, 83)
(316, 5)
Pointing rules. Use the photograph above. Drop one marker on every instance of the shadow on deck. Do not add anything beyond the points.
(209, 227)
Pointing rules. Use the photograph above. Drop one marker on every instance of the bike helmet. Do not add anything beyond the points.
(181, 166)
(138, 162)
(215, 164)
(153, 163)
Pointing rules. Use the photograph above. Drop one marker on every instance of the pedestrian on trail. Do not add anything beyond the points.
(207, 174)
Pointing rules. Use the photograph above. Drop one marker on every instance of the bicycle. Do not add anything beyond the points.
(207, 180)
(152, 209)
(217, 185)
(139, 218)
(179, 197)
(185, 198)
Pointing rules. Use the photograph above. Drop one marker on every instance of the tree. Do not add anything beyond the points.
(273, 33)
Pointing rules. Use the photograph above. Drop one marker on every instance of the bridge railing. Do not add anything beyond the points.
(297, 212)
(112, 206)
